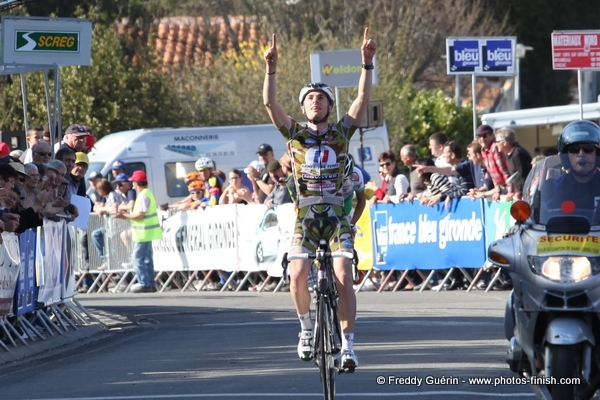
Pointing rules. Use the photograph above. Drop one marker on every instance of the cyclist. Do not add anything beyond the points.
(213, 185)
(317, 151)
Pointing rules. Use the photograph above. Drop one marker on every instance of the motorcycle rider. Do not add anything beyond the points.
(579, 148)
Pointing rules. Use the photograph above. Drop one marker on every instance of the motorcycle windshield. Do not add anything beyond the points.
(563, 186)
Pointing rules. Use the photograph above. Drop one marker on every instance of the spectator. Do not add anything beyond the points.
(92, 192)
(22, 176)
(16, 153)
(236, 192)
(118, 167)
(408, 156)
(280, 194)
(145, 228)
(46, 134)
(261, 183)
(213, 185)
(61, 171)
(74, 139)
(4, 149)
(34, 136)
(518, 161)
(125, 189)
(105, 190)
(41, 152)
(196, 189)
(436, 146)
(30, 190)
(458, 167)
(494, 161)
(260, 169)
(394, 182)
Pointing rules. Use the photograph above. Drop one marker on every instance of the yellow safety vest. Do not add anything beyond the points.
(147, 229)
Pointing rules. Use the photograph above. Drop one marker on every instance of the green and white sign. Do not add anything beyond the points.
(47, 41)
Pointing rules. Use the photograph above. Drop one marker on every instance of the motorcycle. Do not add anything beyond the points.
(552, 253)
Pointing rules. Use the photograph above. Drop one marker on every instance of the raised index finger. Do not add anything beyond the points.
(366, 37)
(274, 41)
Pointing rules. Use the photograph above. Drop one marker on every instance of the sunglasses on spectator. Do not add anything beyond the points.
(499, 141)
(195, 192)
(386, 164)
(587, 149)
(43, 153)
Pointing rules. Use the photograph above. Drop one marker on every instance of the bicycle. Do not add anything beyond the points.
(327, 330)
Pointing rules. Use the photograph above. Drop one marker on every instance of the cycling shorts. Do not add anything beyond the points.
(321, 221)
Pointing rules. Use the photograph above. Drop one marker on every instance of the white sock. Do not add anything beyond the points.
(305, 321)
(348, 341)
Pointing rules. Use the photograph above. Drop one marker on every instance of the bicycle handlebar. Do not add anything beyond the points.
(307, 256)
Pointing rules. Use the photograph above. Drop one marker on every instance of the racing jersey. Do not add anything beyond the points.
(318, 161)
(353, 183)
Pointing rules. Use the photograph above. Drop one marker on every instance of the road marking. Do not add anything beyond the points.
(316, 395)
(362, 322)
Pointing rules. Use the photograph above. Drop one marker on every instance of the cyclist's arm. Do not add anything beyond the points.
(275, 110)
(361, 201)
(359, 106)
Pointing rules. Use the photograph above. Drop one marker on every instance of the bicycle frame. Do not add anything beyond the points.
(328, 334)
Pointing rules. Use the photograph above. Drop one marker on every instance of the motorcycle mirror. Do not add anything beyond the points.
(520, 211)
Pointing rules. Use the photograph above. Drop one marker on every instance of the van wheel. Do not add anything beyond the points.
(260, 256)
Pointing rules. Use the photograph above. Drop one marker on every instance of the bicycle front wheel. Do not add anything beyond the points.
(324, 347)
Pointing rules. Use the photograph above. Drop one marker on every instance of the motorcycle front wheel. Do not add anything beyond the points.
(565, 364)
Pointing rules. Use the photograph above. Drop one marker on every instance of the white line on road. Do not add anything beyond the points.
(317, 395)
(363, 322)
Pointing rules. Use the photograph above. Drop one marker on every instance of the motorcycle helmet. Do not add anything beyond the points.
(578, 132)
(204, 163)
(317, 87)
(349, 166)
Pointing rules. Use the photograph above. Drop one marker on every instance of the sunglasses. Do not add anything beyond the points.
(42, 153)
(386, 164)
(498, 141)
(195, 192)
(587, 149)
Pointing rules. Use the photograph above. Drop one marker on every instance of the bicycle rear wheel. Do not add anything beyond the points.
(324, 347)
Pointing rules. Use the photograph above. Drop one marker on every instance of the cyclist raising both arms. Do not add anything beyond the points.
(318, 151)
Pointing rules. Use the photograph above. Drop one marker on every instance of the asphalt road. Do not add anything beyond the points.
(243, 345)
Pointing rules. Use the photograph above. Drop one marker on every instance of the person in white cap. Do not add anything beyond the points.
(261, 182)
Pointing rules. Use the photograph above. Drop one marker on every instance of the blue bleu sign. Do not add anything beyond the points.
(481, 55)
(498, 56)
(24, 300)
(463, 56)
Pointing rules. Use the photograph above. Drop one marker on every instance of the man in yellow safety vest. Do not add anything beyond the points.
(145, 228)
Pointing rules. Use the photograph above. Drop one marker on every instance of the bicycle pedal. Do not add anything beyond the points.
(347, 370)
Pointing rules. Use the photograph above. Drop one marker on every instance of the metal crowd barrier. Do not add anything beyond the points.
(117, 266)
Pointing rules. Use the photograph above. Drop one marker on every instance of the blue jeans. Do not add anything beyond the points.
(98, 239)
(143, 264)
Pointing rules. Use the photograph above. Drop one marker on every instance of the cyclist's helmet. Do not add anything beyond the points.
(317, 87)
(191, 177)
(204, 163)
(119, 165)
(349, 166)
(578, 132)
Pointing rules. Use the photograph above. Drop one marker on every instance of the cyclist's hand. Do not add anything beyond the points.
(368, 48)
(271, 55)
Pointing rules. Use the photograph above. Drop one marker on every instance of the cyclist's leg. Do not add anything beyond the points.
(299, 269)
(342, 239)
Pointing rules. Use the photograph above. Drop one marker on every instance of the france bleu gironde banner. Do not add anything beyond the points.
(412, 236)
(24, 294)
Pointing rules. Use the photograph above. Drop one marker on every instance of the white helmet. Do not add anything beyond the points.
(203, 163)
(317, 87)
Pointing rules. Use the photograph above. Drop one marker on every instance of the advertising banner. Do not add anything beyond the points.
(576, 50)
(409, 235)
(363, 241)
(198, 240)
(51, 246)
(67, 278)
(9, 271)
(481, 55)
(24, 301)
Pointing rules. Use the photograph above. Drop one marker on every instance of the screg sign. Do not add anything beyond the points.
(339, 68)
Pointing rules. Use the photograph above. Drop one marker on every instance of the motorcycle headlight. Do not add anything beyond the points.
(565, 269)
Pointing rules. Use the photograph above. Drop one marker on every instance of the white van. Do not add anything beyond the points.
(168, 154)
